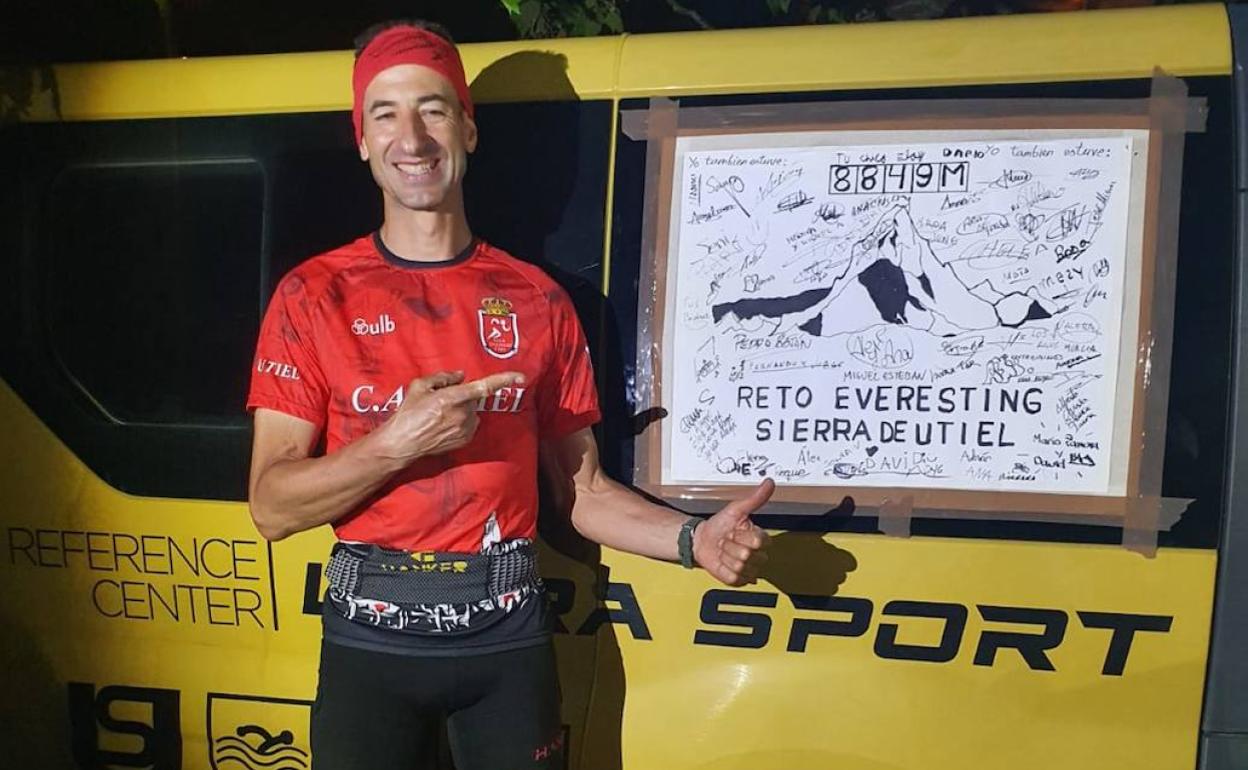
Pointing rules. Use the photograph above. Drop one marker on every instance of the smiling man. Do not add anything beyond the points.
(440, 369)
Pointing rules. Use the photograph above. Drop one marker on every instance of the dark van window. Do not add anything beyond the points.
(153, 287)
(145, 250)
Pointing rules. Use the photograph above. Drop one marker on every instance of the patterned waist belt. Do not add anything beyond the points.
(431, 592)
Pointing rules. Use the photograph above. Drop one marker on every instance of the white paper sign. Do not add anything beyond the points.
(938, 315)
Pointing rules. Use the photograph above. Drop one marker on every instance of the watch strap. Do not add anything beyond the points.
(684, 541)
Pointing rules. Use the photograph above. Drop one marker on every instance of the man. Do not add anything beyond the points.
(440, 369)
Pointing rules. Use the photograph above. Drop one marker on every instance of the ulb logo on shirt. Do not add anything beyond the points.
(500, 334)
(383, 325)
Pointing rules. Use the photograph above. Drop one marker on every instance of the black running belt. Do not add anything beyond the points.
(431, 592)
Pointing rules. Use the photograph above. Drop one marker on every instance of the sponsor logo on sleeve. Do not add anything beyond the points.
(277, 369)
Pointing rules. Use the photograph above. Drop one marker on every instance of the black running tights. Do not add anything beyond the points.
(384, 711)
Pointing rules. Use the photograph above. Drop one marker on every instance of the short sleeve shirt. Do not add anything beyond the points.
(347, 331)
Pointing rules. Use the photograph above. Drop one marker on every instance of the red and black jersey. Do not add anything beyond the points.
(347, 331)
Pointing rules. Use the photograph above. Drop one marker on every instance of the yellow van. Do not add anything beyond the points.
(150, 207)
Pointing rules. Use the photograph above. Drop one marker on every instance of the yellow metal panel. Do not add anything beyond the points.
(840, 704)
(1192, 40)
(591, 69)
(226, 85)
(609, 206)
(92, 586)
(1185, 40)
(305, 82)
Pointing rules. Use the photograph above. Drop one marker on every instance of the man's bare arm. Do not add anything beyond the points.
(290, 491)
(727, 545)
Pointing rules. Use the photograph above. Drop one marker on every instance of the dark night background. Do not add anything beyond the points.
(39, 31)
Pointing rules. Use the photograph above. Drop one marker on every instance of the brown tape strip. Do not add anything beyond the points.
(646, 394)
(1148, 516)
(895, 515)
(1169, 116)
(643, 125)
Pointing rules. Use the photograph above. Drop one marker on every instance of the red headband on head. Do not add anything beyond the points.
(406, 45)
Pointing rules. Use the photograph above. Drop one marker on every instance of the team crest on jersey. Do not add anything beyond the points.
(500, 332)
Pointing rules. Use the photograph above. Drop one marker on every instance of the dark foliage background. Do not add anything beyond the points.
(40, 31)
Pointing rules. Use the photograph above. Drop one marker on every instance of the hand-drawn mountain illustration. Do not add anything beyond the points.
(893, 276)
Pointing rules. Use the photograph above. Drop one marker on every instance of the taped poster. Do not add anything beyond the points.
(951, 310)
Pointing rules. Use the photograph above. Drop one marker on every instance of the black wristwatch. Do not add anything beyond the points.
(684, 541)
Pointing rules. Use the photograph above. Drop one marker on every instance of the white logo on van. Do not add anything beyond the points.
(383, 325)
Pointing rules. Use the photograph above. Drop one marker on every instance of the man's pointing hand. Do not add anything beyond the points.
(438, 413)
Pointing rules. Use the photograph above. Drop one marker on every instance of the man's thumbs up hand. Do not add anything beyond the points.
(728, 545)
